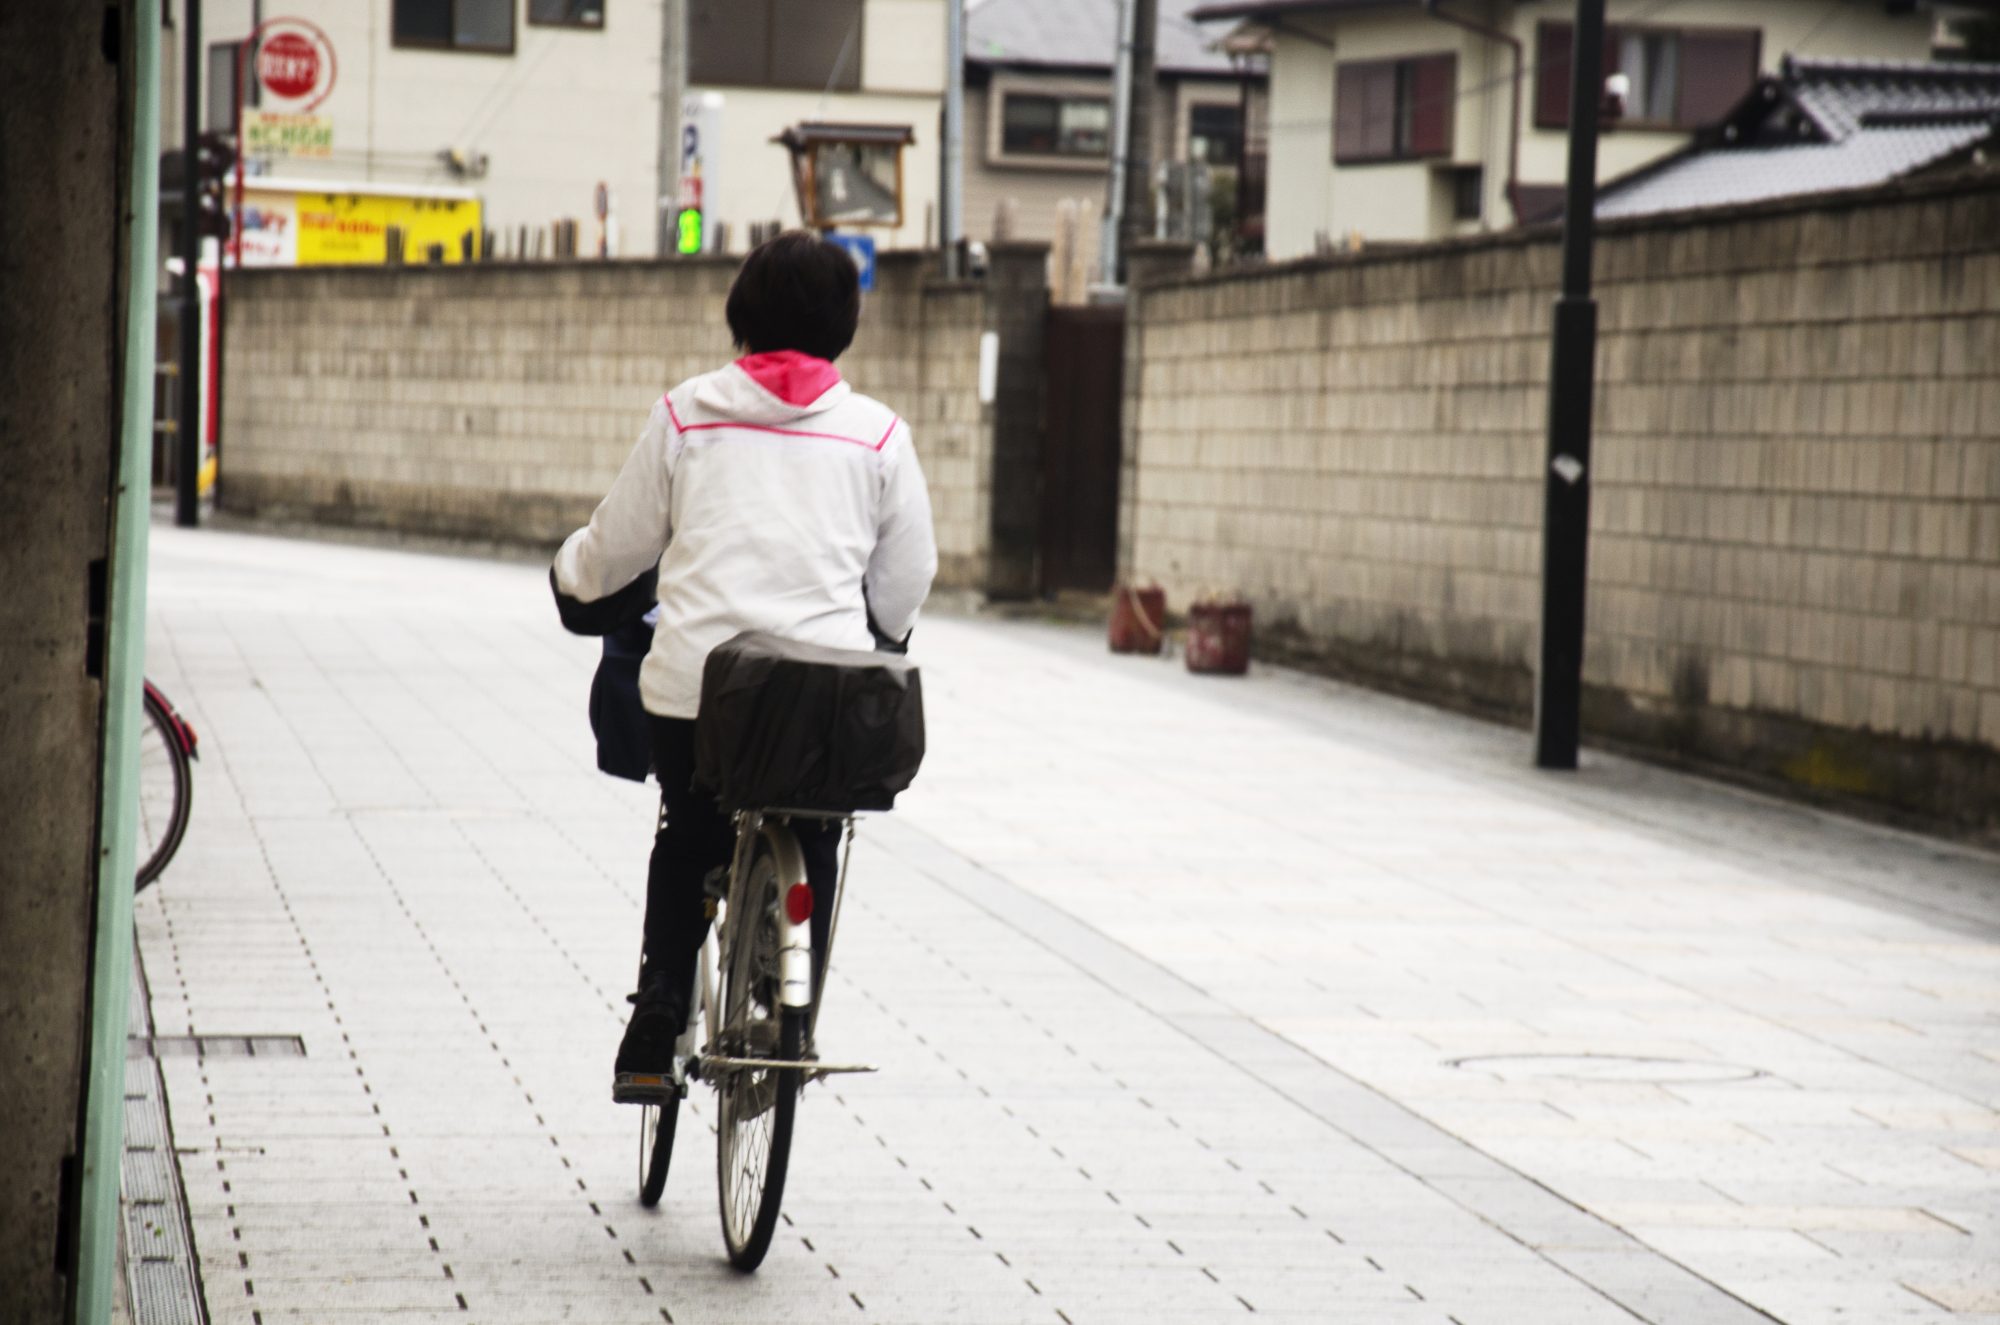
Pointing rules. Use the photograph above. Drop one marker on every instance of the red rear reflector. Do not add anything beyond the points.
(799, 903)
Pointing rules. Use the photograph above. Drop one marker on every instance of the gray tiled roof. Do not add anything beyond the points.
(1820, 125)
(1083, 34)
(1840, 94)
(1749, 174)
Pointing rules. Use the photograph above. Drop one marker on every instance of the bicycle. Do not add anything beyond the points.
(750, 1027)
(167, 751)
(812, 735)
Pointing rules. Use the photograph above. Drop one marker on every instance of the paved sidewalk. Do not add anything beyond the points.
(1197, 1000)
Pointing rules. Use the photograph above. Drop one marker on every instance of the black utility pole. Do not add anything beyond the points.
(1566, 507)
(187, 435)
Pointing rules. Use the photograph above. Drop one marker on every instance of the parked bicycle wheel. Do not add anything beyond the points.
(757, 1105)
(166, 788)
(656, 1149)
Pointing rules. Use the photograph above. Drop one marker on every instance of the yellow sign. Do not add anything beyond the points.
(271, 133)
(343, 228)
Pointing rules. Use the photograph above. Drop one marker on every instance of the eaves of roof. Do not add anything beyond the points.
(1081, 35)
(1255, 9)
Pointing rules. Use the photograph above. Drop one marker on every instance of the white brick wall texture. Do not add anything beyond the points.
(1797, 456)
(500, 401)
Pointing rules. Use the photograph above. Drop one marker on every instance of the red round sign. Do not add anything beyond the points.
(288, 64)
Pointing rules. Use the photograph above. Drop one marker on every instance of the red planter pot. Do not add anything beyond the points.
(1219, 638)
(1138, 619)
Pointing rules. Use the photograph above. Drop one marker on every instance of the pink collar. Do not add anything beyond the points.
(795, 378)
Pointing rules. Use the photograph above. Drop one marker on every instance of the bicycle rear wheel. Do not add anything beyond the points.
(656, 1148)
(166, 791)
(756, 1105)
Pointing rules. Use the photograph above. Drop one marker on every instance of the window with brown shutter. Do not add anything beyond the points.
(1364, 111)
(1681, 78)
(1432, 98)
(1717, 68)
(1394, 110)
(1552, 47)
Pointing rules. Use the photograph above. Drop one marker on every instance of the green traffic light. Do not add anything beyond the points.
(689, 226)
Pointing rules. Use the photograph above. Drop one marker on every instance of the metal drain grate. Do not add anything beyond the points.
(1612, 1069)
(156, 1246)
(215, 1046)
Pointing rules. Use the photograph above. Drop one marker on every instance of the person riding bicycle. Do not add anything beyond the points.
(768, 495)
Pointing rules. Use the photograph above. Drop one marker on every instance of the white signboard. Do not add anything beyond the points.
(270, 229)
(273, 133)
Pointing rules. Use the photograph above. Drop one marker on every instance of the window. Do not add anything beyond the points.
(810, 44)
(454, 25)
(1215, 134)
(1682, 78)
(221, 87)
(1394, 110)
(566, 13)
(1039, 124)
(1652, 61)
(1468, 190)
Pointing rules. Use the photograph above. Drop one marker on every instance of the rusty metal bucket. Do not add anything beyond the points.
(1138, 619)
(1218, 640)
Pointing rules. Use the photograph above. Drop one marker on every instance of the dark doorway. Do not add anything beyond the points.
(1080, 459)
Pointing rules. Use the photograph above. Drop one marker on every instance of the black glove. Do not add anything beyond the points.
(610, 612)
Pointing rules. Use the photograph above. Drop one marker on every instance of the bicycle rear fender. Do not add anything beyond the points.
(794, 937)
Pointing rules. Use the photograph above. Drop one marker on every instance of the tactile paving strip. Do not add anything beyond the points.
(160, 1269)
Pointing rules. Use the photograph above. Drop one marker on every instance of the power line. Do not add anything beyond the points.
(832, 77)
(510, 86)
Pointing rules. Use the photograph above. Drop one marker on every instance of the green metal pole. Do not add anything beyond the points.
(125, 665)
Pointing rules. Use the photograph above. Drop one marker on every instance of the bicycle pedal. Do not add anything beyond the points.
(644, 1088)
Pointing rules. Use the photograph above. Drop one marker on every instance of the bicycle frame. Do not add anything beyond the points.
(798, 987)
(183, 732)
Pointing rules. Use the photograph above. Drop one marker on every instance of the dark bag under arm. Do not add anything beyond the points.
(609, 613)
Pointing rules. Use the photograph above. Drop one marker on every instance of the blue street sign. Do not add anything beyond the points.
(862, 249)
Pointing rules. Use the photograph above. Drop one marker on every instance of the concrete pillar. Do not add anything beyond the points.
(1149, 261)
(61, 352)
(1017, 305)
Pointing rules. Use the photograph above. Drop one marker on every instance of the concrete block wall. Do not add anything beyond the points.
(918, 351)
(499, 402)
(1795, 560)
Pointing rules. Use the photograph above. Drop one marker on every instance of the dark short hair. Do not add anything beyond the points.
(795, 292)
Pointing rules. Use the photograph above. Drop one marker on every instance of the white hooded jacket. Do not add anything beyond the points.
(772, 497)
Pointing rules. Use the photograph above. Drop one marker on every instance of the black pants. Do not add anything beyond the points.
(697, 838)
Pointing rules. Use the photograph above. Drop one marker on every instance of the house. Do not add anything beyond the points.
(1409, 120)
(524, 107)
(1818, 125)
(1038, 118)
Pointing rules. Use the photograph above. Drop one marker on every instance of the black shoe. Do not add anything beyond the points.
(644, 1072)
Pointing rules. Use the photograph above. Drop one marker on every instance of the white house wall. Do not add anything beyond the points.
(573, 106)
(1311, 198)
(1836, 31)
(1298, 203)
(903, 46)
